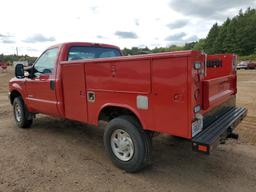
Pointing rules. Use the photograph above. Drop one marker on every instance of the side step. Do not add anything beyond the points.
(211, 136)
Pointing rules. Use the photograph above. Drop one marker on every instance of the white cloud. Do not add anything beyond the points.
(126, 34)
(176, 37)
(8, 41)
(208, 8)
(38, 38)
(99, 20)
(191, 39)
(178, 24)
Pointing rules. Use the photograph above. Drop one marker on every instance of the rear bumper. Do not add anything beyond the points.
(218, 130)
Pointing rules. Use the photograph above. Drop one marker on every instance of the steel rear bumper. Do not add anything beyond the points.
(220, 129)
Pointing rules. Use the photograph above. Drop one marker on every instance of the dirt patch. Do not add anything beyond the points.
(60, 155)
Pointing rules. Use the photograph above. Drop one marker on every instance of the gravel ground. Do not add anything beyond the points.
(60, 155)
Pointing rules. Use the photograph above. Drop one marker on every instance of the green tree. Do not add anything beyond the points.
(246, 32)
(200, 45)
(219, 46)
(211, 39)
(230, 43)
(189, 46)
(236, 35)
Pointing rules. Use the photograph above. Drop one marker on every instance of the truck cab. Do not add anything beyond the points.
(41, 88)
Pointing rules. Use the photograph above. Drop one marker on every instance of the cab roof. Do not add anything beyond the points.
(83, 44)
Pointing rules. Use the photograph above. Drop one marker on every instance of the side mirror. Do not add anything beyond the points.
(19, 71)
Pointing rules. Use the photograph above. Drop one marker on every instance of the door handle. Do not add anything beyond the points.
(52, 84)
(113, 70)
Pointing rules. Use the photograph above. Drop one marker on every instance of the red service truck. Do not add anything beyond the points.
(187, 94)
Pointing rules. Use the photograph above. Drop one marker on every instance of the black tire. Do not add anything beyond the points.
(141, 143)
(23, 121)
(148, 135)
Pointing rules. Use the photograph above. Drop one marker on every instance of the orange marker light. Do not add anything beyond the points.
(202, 148)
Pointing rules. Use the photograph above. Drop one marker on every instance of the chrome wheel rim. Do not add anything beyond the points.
(122, 145)
(17, 111)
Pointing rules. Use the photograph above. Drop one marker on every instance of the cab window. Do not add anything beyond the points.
(90, 52)
(46, 62)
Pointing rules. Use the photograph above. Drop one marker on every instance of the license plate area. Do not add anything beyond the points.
(197, 126)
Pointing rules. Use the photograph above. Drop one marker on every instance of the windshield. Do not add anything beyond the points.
(86, 52)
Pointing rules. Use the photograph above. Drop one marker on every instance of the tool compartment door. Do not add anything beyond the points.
(74, 91)
(170, 95)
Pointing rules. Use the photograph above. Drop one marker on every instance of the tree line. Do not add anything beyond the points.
(236, 35)
(10, 58)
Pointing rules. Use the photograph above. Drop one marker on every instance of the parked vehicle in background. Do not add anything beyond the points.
(3, 66)
(187, 94)
(251, 65)
(246, 65)
(242, 65)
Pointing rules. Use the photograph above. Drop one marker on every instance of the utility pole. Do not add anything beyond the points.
(17, 51)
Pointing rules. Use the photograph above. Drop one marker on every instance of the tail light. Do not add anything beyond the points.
(198, 73)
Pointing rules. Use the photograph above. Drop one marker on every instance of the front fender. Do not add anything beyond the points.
(16, 88)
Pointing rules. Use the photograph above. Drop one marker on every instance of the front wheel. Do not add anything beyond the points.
(127, 144)
(21, 114)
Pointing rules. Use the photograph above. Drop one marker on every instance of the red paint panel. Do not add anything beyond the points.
(217, 90)
(121, 76)
(220, 82)
(40, 97)
(170, 96)
(74, 91)
(224, 70)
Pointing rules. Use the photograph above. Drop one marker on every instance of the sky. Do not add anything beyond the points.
(30, 26)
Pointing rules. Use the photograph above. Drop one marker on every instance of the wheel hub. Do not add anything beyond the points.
(122, 145)
(17, 112)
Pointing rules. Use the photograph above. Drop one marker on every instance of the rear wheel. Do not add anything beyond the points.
(126, 143)
(21, 115)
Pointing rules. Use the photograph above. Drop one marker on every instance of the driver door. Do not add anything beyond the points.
(41, 94)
